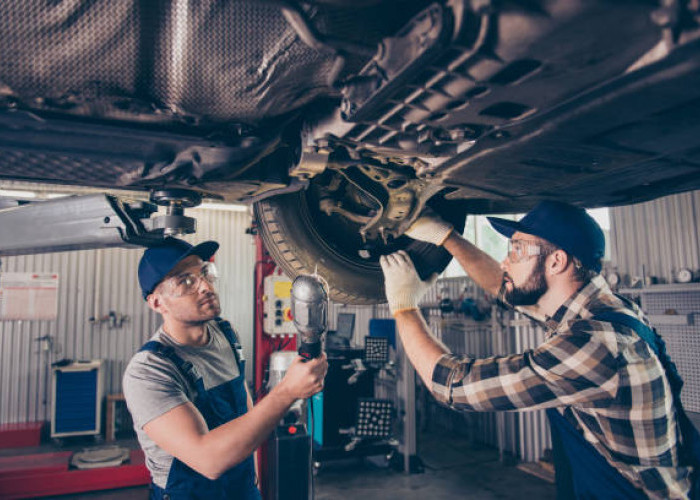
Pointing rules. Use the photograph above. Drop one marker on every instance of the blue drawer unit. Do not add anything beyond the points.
(77, 399)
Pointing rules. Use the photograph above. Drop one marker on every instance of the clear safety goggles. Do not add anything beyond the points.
(189, 283)
(520, 250)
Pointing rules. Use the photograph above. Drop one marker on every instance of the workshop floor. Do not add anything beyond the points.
(452, 470)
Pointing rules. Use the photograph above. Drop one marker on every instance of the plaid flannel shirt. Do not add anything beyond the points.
(603, 379)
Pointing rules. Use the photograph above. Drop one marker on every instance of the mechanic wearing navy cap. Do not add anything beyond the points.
(611, 395)
(186, 390)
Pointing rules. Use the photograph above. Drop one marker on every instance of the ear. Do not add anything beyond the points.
(155, 302)
(557, 262)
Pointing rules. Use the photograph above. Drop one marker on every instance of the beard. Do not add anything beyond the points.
(529, 293)
(194, 310)
(210, 306)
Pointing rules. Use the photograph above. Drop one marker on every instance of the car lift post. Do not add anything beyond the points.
(264, 345)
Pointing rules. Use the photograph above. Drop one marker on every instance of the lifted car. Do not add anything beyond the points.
(342, 120)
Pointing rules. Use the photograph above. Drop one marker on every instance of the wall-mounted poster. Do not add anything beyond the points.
(28, 296)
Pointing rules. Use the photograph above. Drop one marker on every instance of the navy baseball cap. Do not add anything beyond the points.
(566, 226)
(158, 261)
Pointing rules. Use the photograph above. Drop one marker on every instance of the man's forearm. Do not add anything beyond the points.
(480, 266)
(423, 350)
(183, 433)
(232, 442)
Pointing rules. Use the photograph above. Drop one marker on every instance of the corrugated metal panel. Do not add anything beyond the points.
(101, 281)
(661, 236)
(236, 261)
(534, 435)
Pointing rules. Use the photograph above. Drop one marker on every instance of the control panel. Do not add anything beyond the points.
(277, 305)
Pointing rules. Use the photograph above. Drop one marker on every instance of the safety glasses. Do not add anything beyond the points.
(520, 250)
(189, 283)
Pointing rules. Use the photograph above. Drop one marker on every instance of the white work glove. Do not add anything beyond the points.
(430, 228)
(404, 288)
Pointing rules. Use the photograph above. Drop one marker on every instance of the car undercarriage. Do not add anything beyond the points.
(342, 121)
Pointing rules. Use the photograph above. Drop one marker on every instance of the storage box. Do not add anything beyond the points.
(77, 392)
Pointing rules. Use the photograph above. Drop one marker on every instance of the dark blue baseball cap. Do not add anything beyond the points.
(566, 226)
(158, 261)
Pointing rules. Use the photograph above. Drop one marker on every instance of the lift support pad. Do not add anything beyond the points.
(44, 474)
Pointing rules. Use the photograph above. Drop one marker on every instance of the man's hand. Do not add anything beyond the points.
(183, 432)
(430, 228)
(404, 288)
(304, 378)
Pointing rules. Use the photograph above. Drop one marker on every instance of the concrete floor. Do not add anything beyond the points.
(452, 470)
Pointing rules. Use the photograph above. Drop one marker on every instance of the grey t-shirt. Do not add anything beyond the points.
(153, 386)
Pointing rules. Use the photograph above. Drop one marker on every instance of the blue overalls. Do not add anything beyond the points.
(218, 405)
(582, 472)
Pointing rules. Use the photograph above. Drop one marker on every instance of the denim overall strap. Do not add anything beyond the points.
(232, 338)
(217, 405)
(184, 367)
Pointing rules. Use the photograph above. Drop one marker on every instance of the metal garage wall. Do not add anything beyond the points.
(104, 281)
(533, 427)
(524, 434)
(662, 235)
(236, 261)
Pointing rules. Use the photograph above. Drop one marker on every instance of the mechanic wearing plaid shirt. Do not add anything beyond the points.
(602, 378)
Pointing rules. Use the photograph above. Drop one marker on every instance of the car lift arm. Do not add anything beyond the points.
(83, 222)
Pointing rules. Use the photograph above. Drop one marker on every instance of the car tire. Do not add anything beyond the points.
(292, 238)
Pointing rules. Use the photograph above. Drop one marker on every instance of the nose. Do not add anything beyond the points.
(505, 264)
(205, 286)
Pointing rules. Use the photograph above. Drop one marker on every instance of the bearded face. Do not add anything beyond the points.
(530, 292)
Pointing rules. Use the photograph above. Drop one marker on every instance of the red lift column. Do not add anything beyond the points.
(264, 345)
(264, 266)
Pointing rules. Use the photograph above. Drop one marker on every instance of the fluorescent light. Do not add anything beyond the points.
(223, 206)
(51, 196)
(17, 194)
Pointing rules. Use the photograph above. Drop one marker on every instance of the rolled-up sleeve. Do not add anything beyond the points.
(572, 368)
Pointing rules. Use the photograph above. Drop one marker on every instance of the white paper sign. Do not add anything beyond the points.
(28, 296)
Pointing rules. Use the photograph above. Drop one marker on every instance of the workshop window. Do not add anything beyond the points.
(478, 231)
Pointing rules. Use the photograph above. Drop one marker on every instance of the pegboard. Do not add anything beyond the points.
(668, 303)
(682, 341)
(683, 345)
